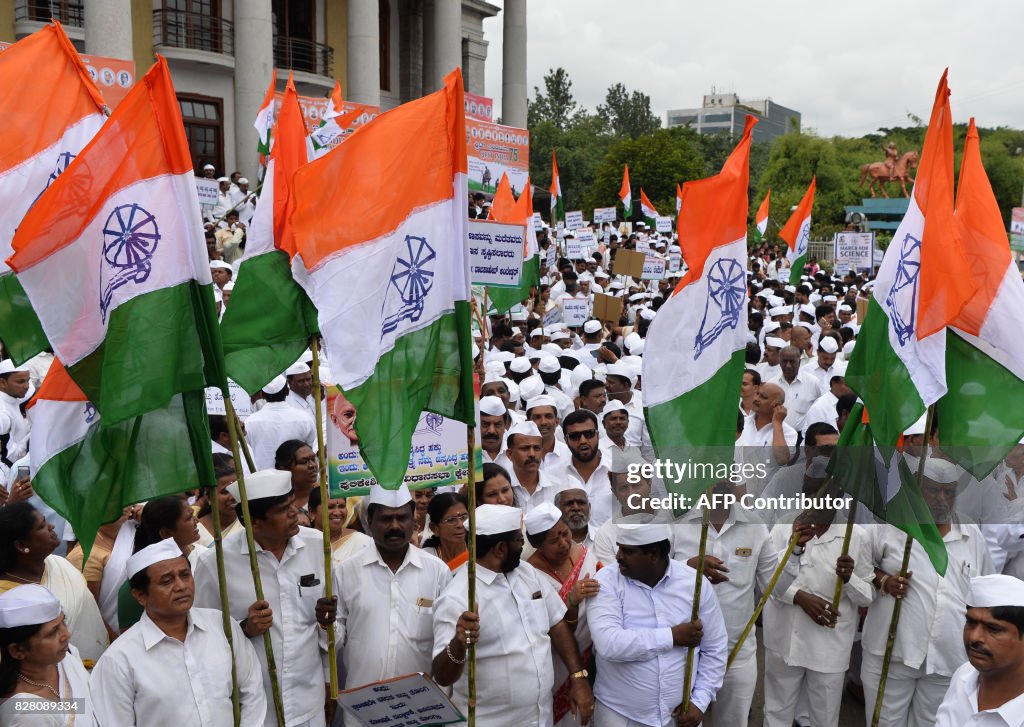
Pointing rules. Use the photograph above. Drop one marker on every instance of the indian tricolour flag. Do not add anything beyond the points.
(694, 356)
(264, 121)
(981, 418)
(679, 198)
(380, 231)
(88, 472)
(119, 235)
(796, 233)
(50, 110)
(520, 212)
(557, 203)
(332, 127)
(269, 320)
(761, 218)
(647, 209)
(626, 196)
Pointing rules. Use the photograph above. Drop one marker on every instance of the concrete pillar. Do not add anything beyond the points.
(363, 52)
(410, 50)
(108, 29)
(513, 64)
(428, 46)
(447, 30)
(474, 59)
(254, 64)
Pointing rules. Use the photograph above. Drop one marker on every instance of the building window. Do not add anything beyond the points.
(385, 45)
(194, 24)
(204, 127)
(68, 12)
(295, 45)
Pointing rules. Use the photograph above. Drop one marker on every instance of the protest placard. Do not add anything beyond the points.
(574, 220)
(413, 700)
(240, 400)
(629, 262)
(654, 268)
(208, 189)
(663, 224)
(587, 238)
(495, 253)
(607, 308)
(674, 259)
(574, 249)
(853, 251)
(604, 214)
(575, 311)
(538, 223)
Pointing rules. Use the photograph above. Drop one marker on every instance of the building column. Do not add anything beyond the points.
(108, 29)
(447, 30)
(513, 64)
(363, 52)
(410, 50)
(254, 65)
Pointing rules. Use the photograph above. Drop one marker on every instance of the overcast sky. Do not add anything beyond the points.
(848, 68)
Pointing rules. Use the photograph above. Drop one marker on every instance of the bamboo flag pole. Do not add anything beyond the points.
(890, 642)
(471, 569)
(846, 551)
(325, 499)
(275, 686)
(764, 597)
(705, 521)
(225, 608)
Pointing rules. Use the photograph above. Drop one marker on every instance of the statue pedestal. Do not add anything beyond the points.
(881, 213)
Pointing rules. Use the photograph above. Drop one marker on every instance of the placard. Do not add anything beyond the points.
(587, 238)
(208, 191)
(654, 268)
(604, 214)
(239, 399)
(629, 262)
(413, 700)
(853, 251)
(538, 223)
(551, 258)
(574, 220)
(674, 259)
(575, 249)
(663, 224)
(493, 150)
(1017, 229)
(862, 310)
(607, 308)
(575, 311)
(437, 457)
(495, 253)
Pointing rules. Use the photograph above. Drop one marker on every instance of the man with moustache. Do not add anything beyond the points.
(593, 395)
(575, 507)
(800, 387)
(988, 691)
(543, 411)
(586, 469)
(494, 422)
(387, 621)
(531, 484)
(615, 422)
(522, 622)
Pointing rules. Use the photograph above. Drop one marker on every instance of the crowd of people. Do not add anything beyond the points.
(585, 588)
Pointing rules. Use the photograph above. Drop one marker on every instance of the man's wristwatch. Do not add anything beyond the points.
(581, 674)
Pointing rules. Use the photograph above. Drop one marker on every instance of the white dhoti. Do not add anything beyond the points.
(608, 717)
(912, 697)
(782, 687)
(732, 703)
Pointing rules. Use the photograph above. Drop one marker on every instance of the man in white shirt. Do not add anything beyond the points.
(640, 623)
(801, 389)
(767, 442)
(824, 409)
(521, 621)
(989, 690)
(14, 427)
(619, 385)
(291, 564)
(386, 610)
(825, 365)
(531, 484)
(276, 423)
(300, 387)
(928, 648)
(769, 368)
(494, 422)
(174, 666)
(575, 507)
(587, 468)
(555, 455)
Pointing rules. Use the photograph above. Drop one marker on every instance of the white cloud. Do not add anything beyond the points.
(848, 68)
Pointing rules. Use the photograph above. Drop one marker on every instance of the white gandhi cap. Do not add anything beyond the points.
(996, 590)
(263, 484)
(27, 606)
(640, 534)
(497, 519)
(166, 549)
(542, 518)
(390, 498)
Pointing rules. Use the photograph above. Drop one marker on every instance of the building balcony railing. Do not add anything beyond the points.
(70, 14)
(300, 54)
(195, 31)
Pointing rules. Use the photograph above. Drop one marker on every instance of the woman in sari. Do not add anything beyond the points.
(448, 515)
(297, 457)
(495, 488)
(570, 566)
(27, 543)
(226, 474)
(37, 661)
(345, 542)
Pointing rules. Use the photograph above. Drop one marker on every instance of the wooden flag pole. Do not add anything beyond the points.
(325, 521)
(275, 686)
(705, 521)
(890, 642)
(225, 608)
(471, 568)
(846, 551)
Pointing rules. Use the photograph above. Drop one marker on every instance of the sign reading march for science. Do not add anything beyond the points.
(853, 251)
(495, 253)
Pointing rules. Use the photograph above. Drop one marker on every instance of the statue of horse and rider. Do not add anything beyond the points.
(895, 168)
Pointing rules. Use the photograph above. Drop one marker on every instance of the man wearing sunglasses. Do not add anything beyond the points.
(586, 470)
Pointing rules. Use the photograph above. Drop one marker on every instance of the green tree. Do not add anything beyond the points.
(627, 114)
(556, 104)
(580, 149)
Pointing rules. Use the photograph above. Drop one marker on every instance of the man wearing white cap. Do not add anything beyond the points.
(300, 387)
(386, 611)
(927, 649)
(619, 383)
(14, 427)
(989, 690)
(494, 422)
(38, 664)
(276, 423)
(593, 333)
(614, 423)
(801, 388)
(223, 200)
(555, 455)
(174, 666)
(640, 623)
(532, 484)
(769, 368)
(521, 621)
(826, 365)
(295, 612)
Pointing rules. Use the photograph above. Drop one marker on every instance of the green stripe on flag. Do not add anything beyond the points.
(157, 345)
(20, 330)
(699, 425)
(268, 321)
(501, 300)
(160, 453)
(427, 370)
(796, 269)
(981, 418)
(879, 377)
(559, 211)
